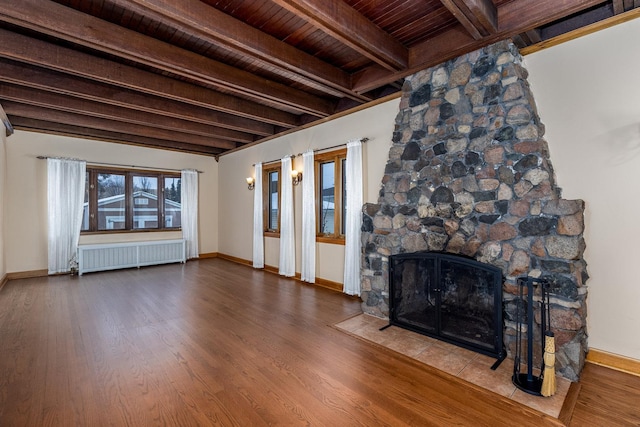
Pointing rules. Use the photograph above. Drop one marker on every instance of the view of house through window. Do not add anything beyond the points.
(145, 202)
(131, 200)
(111, 201)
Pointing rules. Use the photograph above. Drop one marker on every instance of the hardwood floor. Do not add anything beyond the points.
(217, 343)
(607, 398)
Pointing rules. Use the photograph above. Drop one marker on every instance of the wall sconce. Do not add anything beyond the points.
(251, 183)
(296, 177)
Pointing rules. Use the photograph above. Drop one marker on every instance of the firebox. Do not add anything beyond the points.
(449, 297)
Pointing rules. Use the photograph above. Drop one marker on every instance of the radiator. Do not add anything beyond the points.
(111, 256)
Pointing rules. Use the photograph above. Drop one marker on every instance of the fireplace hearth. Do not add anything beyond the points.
(449, 297)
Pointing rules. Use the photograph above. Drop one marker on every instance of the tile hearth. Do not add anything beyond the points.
(465, 364)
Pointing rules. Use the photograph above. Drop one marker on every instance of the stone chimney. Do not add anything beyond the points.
(469, 173)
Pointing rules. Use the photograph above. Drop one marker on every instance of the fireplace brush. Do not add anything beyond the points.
(548, 387)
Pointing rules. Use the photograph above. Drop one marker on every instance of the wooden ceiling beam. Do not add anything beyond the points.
(68, 24)
(618, 7)
(50, 115)
(621, 6)
(436, 50)
(38, 97)
(46, 55)
(533, 36)
(514, 17)
(519, 16)
(372, 77)
(55, 128)
(347, 25)
(52, 81)
(194, 18)
(478, 17)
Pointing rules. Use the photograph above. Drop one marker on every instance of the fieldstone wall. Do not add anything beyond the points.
(469, 173)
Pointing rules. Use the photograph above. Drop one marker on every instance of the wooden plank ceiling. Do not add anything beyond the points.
(208, 76)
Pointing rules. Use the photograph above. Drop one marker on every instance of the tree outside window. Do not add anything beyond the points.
(145, 202)
(172, 200)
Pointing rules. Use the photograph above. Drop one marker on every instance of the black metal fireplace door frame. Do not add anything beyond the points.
(498, 350)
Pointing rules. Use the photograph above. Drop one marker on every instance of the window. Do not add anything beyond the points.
(172, 200)
(145, 202)
(130, 200)
(271, 204)
(111, 201)
(331, 197)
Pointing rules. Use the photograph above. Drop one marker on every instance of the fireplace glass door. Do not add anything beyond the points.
(467, 304)
(415, 297)
(449, 297)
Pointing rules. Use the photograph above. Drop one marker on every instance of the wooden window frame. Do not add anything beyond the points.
(266, 171)
(92, 176)
(337, 157)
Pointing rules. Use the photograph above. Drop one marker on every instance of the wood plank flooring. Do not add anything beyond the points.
(217, 343)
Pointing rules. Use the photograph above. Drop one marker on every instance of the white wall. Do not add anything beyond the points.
(236, 202)
(588, 94)
(25, 238)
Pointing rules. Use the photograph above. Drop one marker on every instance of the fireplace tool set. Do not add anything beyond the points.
(545, 383)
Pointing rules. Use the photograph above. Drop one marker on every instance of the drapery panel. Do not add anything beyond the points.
(65, 202)
(353, 220)
(189, 203)
(287, 264)
(258, 224)
(308, 267)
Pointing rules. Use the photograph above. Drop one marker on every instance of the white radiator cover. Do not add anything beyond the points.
(112, 256)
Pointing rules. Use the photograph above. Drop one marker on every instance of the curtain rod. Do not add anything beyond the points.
(276, 160)
(120, 165)
(363, 140)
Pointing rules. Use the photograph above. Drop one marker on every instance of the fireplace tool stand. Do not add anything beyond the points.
(528, 382)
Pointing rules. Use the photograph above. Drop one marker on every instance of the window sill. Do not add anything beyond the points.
(137, 230)
(275, 234)
(330, 240)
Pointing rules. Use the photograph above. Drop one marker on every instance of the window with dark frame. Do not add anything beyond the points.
(271, 200)
(330, 196)
(131, 200)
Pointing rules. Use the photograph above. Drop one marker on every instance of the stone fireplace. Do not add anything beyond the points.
(469, 173)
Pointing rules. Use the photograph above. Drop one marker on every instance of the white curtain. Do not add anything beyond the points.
(353, 220)
(189, 202)
(287, 265)
(308, 268)
(65, 201)
(258, 224)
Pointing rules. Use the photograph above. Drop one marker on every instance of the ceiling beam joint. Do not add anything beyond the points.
(478, 17)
